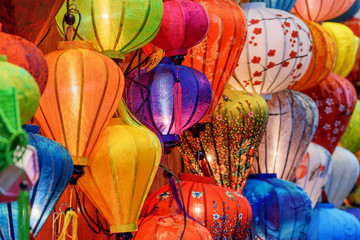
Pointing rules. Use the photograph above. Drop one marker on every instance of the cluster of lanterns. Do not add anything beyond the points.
(252, 94)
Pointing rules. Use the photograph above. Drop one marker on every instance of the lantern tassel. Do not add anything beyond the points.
(177, 107)
(23, 203)
(70, 215)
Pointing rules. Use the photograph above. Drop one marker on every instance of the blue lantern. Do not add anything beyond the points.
(285, 5)
(281, 209)
(348, 14)
(56, 168)
(329, 222)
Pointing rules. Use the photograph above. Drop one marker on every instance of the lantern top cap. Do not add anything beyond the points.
(65, 45)
(262, 176)
(253, 5)
(3, 58)
(196, 178)
(325, 205)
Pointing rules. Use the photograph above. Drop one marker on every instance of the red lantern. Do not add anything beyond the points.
(224, 212)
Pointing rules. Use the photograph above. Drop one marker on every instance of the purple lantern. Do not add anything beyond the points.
(354, 211)
(157, 93)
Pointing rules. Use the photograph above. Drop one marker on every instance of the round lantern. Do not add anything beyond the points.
(285, 5)
(351, 139)
(328, 222)
(281, 209)
(343, 177)
(117, 27)
(26, 55)
(322, 59)
(159, 111)
(169, 227)
(335, 98)
(82, 93)
(354, 211)
(313, 171)
(349, 13)
(230, 141)
(184, 24)
(130, 167)
(290, 129)
(346, 47)
(28, 93)
(319, 11)
(224, 212)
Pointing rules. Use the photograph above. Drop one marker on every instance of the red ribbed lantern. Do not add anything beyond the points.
(354, 76)
(224, 212)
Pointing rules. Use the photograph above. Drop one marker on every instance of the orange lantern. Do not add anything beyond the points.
(322, 60)
(82, 93)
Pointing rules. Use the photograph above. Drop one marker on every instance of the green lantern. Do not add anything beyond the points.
(351, 138)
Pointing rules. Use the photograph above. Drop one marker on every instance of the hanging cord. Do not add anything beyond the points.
(69, 19)
(177, 103)
(70, 216)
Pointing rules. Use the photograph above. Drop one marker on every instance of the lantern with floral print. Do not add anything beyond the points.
(277, 53)
(224, 212)
(292, 124)
(335, 98)
(351, 138)
(230, 141)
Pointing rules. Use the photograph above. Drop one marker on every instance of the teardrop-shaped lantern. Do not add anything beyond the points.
(335, 98)
(343, 177)
(83, 91)
(313, 171)
(281, 209)
(230, 141)
(277, 53)
(285, 5)
(290, 129)
(351, 138)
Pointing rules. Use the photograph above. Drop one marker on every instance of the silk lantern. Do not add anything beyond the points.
(354, 75)
(349, 13)
(285, 5)
(319, 11)
(322, 59)
(224, 212)
(26, 55)
(281, 209)
(158, 109)
(353, 211)
(335, 98)
(351, 139)
(117, 27)
(343, 176)
(277, 53)
(130, 167)
(184, 24)
(230, 141)
(290, 129)
(346, 47)
(328, 222)
(83, 91)
(313, 171)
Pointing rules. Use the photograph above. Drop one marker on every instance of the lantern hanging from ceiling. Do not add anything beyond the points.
(351, 138)
(353, 211)
(346, 44)
(319, 11)
(224, 212)
(290, 129)
(277, 53)
(285, 5)
(322, 59)
(328, 222)
(335, 98)
(229, 142)
(349, 13)
(313, 171)
(82, 93)
(157, 109)
(281, 209)
(343, 177)
(117, 27)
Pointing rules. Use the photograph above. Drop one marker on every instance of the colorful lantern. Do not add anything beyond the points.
(159, 111)
(351, 139)
(313, 171)
(292, 124)
(117, 27)
(349, 13)
(277, 53)
(343, 176)
(184, 24)
(319, 11)
(346, 47)
(335, 98)
(224, 212)
(354, 211)
(328, 222)
(322, 59)
(281, 209)
(83, 91)
(230, 141)
(285, 5)
(354, 76)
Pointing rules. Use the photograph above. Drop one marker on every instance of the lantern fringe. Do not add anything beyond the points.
(177, 106)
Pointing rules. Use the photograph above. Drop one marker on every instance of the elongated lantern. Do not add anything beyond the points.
(117, 27)
(285, 5)
(313, 171)
(229, 142)
(290, 129)
(335, 99)
(83, 91)
(351, 139)
(277, 52)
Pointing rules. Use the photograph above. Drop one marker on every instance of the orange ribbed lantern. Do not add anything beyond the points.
(322, 60)
(82, 93)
